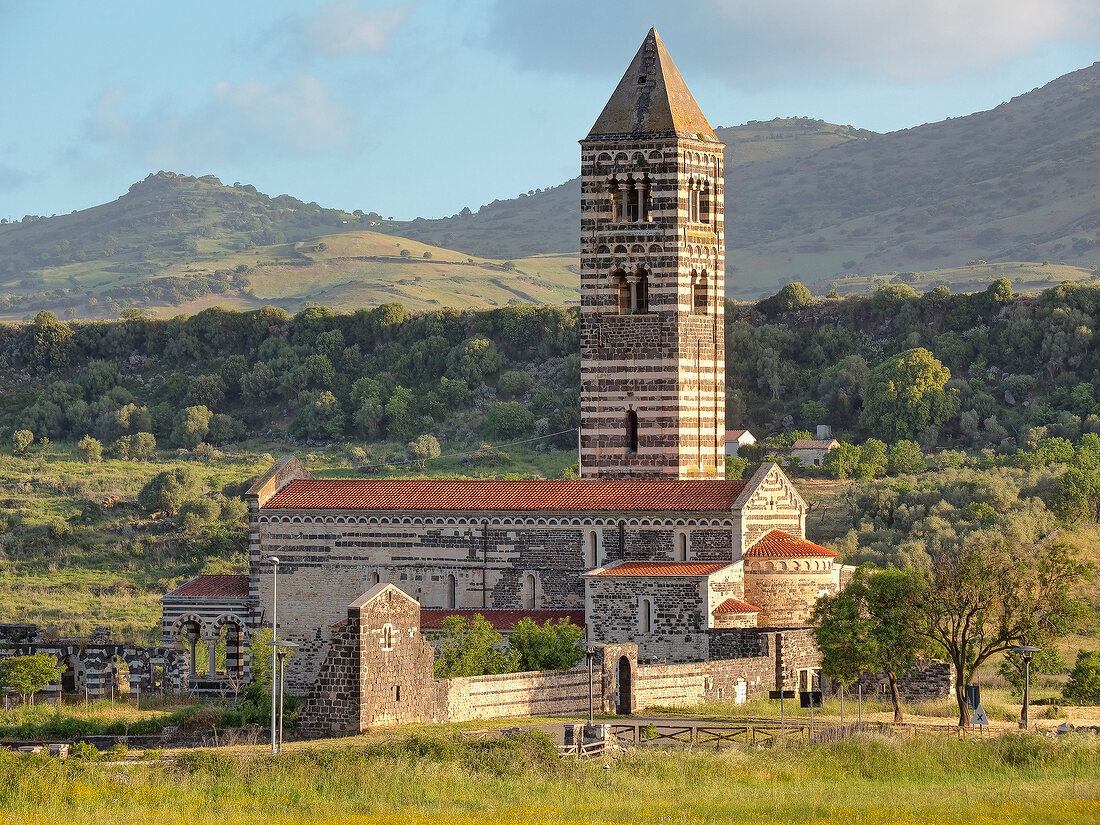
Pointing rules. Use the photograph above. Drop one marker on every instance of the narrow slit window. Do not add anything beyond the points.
(646, 616)
(452, 592)
(632, 431)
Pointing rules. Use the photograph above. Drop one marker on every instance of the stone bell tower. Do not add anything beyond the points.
(652, 282)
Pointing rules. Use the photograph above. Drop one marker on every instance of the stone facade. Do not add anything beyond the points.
(652, 282)
(376, 668)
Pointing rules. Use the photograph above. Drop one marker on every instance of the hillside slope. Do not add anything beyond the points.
(810, 201)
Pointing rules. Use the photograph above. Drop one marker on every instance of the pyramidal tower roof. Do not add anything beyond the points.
(652, 99)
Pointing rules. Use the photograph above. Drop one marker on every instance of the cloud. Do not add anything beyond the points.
(342, 28)
(237, 122)
(12, 178)
(746, 41)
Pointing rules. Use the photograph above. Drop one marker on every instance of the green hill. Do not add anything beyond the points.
(176, 243)
(811, 201)
(1012, 189)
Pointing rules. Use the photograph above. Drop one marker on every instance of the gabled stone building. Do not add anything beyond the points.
(666, 558)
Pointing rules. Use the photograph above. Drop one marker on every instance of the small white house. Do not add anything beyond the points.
(736, 438)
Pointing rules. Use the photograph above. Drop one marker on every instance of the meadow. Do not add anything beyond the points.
(443, 777)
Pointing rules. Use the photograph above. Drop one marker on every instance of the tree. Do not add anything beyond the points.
(870, 627)
(842, 461)
(509, 419)
(143, 446)
(21, 440)
(192, 424)
(987, 596)
(872, 458)
(49, 343)
(470, 648)
(735, 467)
(423, 448)
(91, 449)
(551, 646)
(906, 394)
(1083, 687)
(27, 675)
(166, 491)
(905, 457)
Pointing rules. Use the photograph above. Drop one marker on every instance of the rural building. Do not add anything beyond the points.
(812, 451)
(736, 439)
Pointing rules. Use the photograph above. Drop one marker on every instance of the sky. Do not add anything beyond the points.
(421, 107)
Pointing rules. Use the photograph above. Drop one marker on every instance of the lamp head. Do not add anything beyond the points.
(274, 560)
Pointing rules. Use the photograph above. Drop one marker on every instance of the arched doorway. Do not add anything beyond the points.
(622, 688)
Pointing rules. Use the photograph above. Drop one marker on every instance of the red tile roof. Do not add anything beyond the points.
(214, 585)
(436, 494)
(736, 606)
(778, 544)
(432, 619)
(663, 568)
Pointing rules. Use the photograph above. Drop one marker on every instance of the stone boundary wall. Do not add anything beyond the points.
(544, 693)
(926, 681)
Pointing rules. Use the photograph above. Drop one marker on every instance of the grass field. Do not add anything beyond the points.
(68, 562)
(441, 778)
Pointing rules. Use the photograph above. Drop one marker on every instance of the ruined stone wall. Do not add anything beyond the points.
(796, 653)
(332, 707)
(926, 681)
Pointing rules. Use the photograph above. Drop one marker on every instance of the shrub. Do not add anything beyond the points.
(515, 382)
(91, 449)
(167, 491)
(21, 440)
(423, 448)
(1083, 687)
(84, 752)
(509, 419)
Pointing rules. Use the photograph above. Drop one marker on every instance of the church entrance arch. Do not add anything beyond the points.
(622, 687)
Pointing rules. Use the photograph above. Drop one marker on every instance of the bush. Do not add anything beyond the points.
(1083, 687)
(167, 491)
(84, 751)
(21, 440)
(91, 449)
(515, 382)
(423, 448)
(508, 419)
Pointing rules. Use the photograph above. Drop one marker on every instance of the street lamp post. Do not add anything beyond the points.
(589, 654)
(274, 636)
(1027, 651)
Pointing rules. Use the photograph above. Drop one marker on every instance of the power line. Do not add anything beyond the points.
(421, 461)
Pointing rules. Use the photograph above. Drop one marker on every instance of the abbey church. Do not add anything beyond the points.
(651, 547)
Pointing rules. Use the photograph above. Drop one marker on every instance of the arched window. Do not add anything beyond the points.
(645, 616)
(616, 192)
(529, 591)
(452, 592)
(693, 200)
(387, 637)
(704, 202)
(682, 547)
(700, 295)
(374, 578)
(618, 277)
(632, 431)
(592, 550)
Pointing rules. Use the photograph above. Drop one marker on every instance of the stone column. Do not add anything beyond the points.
(633, 281)
(212, 646)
